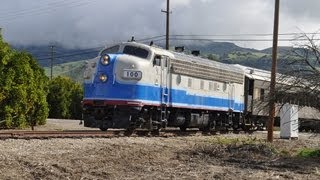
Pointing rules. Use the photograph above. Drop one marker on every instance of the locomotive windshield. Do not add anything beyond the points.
(110, 50)
(136, 51)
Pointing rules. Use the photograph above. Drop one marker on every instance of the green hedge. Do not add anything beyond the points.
(64, 98)
(23, 89)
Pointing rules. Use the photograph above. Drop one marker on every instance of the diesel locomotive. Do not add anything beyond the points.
(132, 85)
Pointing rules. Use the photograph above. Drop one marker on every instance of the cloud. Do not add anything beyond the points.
(91, 23)
(308, 9)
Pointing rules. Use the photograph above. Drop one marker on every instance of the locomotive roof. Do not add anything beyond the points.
(189, 58)
(210, 63)
(196, 66)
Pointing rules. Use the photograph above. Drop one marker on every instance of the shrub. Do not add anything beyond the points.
(309, 153)
(64, 98)
(22, 89)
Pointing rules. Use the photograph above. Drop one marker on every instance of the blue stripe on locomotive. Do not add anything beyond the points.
(112, 90)
(116, 91)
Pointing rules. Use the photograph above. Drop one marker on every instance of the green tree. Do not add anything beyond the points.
(64, 98)
(22, 89)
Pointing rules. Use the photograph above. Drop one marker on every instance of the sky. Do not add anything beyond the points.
(92, 23)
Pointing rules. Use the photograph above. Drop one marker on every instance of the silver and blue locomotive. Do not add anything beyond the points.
(133, 85)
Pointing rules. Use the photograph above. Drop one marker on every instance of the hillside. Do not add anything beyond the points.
(71, 62)
(61, 54)
(218, 48)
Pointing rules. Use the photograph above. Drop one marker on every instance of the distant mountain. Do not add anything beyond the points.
(281, 50)
(218, 48)
(64, 55)
(70, 62)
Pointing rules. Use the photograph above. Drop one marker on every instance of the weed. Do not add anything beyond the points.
(309, 153)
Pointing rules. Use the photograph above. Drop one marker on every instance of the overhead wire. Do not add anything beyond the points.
(235, 40)
(42, 10)
(177, 37)
(67, 55)
(74, 53)
(89, 50)
(248, 34)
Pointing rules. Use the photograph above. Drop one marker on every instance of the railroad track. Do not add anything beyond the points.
(98, 134)
(54, 134)
(87, 134)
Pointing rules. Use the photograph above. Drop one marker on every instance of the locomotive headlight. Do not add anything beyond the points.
(105, 60)
(103, 77)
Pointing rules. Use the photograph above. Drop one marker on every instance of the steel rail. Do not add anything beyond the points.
(103, 134)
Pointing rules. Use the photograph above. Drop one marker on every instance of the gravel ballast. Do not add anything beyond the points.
(227, 156)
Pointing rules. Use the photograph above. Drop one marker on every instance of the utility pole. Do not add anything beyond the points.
(52, 57)
(167, 23)
(273, 72)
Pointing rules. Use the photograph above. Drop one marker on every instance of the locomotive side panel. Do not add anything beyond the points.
(148, 87)
(206, 94)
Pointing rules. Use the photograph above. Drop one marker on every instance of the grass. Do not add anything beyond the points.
(245, 55)
(309, 153)
(229, 141)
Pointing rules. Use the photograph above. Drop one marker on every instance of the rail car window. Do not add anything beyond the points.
(201, 84)
(210, 86)
(136, 51)
(256, 94)
(111, 50)
(224, 87)
(262, 94)
(216, 87)
(189, 82)
(178, 79)
(259, 94)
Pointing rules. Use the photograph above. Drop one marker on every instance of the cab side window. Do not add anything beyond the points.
(157, 60)
(165, 61)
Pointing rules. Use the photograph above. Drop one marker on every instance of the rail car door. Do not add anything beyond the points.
(162, 66)
(162, 79)
(248, 94)
(165, 80)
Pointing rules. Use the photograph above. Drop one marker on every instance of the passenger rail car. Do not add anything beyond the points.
(132, 85)
(257, 83)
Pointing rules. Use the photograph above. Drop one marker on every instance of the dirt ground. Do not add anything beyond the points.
(226, 156)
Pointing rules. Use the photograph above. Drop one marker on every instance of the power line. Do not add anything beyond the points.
(90, 50)
(80, 52)
(9, 11)
(48, 6)
(216, 39)
(43, 10)
(235, 40)
(150, 38)
(249, 34)
(177, 38)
